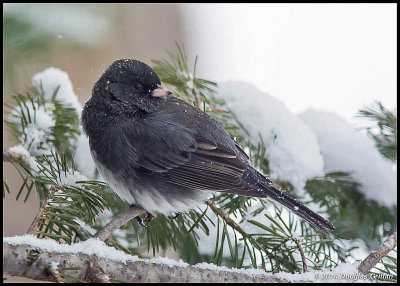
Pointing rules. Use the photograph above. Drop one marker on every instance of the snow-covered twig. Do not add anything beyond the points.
(375, 256)
(31, 257)
(118, 221)
(13, 154)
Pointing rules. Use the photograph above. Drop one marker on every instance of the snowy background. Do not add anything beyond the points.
(335, 57)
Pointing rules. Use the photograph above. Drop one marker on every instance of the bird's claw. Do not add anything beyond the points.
(174, 217)
(148, 219)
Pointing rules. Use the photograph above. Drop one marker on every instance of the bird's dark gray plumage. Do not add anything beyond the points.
(162, 153)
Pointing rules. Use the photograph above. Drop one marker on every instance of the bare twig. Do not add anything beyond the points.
(303, 258)
(226, 218)
(75, 266)
(375, 256)
(212, 108)
(118, 221)
(239, 229)
(196, 97)
(32, 227)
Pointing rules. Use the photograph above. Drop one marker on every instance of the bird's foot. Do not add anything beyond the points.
(149, 218)
(175, 216)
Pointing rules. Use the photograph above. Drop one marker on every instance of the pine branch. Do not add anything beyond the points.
(349, 209)
(56, 217)
(254, 242)
(384, 130)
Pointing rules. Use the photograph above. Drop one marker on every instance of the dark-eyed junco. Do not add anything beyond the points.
(163, 154)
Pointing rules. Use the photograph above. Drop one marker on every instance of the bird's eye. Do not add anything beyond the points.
(138, 86)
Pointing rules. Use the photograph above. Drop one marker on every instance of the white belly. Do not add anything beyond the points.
(152, 200)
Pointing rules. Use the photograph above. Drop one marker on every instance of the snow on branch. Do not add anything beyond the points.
(16, 154)
(94, 261)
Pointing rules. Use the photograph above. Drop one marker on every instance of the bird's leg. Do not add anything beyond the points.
(148, 219)
(175, 216)
(140, 221)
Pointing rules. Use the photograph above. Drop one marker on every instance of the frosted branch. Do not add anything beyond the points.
(38, 263)
(11, 155)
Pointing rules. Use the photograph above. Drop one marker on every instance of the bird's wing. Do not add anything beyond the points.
(192, 161)
(241, 150)
(210, 167)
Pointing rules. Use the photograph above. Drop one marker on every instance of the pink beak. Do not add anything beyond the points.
(160, 91)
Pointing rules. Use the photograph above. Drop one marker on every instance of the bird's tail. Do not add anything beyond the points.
(262, 187)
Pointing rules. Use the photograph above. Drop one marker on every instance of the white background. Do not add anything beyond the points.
(334, 57)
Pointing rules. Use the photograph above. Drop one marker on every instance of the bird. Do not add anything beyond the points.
(163, 154)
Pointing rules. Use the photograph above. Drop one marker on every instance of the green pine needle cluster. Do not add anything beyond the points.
(384, 129)
(184, 83)
(350, 211)
(51, 148)
(68, 202)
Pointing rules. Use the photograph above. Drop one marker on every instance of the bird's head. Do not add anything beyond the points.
(129, 85)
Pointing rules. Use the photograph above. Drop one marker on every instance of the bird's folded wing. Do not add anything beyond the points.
(203, 164)
(206, 173)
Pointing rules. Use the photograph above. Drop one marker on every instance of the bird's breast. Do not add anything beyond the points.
(113, 180)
